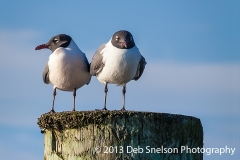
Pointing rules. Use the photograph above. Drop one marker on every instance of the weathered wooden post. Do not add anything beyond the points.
(117, 135)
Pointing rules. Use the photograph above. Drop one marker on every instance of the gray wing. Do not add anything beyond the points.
(45, 74)
(97, 64)
(141, 67)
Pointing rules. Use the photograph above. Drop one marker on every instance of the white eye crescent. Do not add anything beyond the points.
(55, 40)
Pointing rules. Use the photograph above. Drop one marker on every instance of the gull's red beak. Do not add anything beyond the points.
(124, 44)
(42, 46)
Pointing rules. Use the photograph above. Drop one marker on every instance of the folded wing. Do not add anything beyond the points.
(141, 67)
(97, 64)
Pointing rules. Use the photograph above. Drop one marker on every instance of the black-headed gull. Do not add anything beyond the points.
(117, 62)
(67, 68)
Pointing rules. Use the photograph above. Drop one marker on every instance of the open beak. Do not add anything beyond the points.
(42, 46)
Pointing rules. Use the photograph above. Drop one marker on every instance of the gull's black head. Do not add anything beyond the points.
(123, 40)
(60, 40)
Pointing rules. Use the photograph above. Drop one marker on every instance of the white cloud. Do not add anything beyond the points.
(20, 36)
(17, 49)
(185, 77)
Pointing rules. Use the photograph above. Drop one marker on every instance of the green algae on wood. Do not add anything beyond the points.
(86, 135)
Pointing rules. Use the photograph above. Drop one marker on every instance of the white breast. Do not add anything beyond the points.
(68, 68)
(120, 64)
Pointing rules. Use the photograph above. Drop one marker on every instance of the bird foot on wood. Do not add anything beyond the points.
(123, 109)
(51, 111)
(104, 109)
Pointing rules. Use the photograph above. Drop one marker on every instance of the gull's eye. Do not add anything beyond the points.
(117, 38)
(131, 38)
(55, 40)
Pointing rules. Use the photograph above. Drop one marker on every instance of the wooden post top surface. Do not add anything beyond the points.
(78, 119)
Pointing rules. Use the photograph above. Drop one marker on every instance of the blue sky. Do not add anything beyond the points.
(192, 50)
